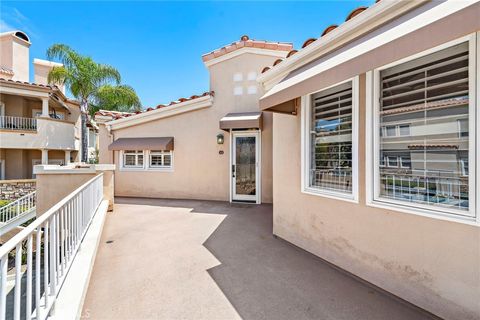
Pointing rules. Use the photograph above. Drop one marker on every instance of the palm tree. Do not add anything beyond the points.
(91, 83)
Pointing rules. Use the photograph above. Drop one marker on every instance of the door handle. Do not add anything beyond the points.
(233, 171)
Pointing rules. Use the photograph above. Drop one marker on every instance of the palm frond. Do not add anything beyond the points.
(66, 55)
(119, 98)
(58, 75)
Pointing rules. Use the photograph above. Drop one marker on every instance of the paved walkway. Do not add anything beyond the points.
(176, 259)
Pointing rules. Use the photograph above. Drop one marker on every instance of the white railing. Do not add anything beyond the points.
(441, 190)
(18, 123)
(51, 243)
(18, 208)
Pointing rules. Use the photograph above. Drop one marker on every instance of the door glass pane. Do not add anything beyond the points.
(245, 166)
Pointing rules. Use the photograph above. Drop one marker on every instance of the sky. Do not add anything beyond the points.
(157, 46)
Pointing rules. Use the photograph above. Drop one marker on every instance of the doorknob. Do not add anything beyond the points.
(233, 171)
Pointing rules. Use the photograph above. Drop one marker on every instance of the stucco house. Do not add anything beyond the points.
(365, 140)
(38, 123)
(213, 146)
(379, 118)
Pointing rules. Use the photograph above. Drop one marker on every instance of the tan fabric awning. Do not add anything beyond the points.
(300, 82)
(241, 120)
(151, 143)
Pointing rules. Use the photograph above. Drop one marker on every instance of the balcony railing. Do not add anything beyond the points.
(18, 123)
(51, 243)
(17, 209)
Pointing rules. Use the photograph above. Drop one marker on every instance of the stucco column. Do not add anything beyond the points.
(45, 107)
(67, 156)
(44, 156)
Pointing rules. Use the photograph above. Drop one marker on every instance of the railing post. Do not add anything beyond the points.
(3, 287)
(63, 225)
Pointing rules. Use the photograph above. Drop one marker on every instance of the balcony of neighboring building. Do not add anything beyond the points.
(18, 163)
(38, 122)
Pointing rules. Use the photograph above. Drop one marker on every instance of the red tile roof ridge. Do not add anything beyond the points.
(327, 30)
(245, 41)
(6, 70)
(48, 86)
(120, 115)
(429, 105)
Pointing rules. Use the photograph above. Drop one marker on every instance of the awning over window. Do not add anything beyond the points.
(151, 143)
(242, 120)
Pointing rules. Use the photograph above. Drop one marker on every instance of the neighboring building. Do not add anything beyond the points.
(38, 123)
(92, 141)
(375, 150)
(215, 146)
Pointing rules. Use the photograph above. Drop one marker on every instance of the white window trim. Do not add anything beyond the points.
(160, 168)
(401, 163)
(393, 158)
(131, 168)
(305, 146)
(471, 216)
(146, 163)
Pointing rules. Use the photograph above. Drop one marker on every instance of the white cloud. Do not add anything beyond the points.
(13, 19)
(4, 26)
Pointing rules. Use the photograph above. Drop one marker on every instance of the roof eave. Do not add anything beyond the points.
(376, 15)
(172, 110)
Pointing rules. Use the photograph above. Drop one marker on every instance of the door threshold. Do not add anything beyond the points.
(244, 201)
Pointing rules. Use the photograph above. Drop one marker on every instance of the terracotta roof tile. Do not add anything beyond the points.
(119, 115)
(30, 83)
(277, 61)
(245, 41)
(265, 69)
(291, 53)
(355, 12)
(328, 29)
(429, 105)
(308, 42)
(6, 70)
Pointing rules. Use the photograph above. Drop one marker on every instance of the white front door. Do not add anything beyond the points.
(245, 166)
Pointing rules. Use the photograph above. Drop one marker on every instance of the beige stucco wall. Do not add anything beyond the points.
(432, 263)
(55, 183)
(104, 139)
(50, 134)
(200, 172)
(15, 56)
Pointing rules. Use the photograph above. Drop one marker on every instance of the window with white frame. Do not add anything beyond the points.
(329, 135)
(133, 158)
(425, 150)
(160, 159)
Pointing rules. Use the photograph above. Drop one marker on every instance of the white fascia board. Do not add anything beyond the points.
(169, 111)
(236, 53)
(103, 119)
(46, 63)
(31, 92)
(439, 12)
(368, 20)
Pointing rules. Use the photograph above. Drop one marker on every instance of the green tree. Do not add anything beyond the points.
(92, 84)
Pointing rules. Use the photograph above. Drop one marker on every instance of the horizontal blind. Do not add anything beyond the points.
(428, 163)
(331, 139)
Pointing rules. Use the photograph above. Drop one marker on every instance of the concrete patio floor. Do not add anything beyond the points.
(186, 259)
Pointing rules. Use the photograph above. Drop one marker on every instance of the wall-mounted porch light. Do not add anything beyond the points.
(220, 138)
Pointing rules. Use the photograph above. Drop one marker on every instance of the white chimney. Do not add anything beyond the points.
(14, 55)
(41, 68)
